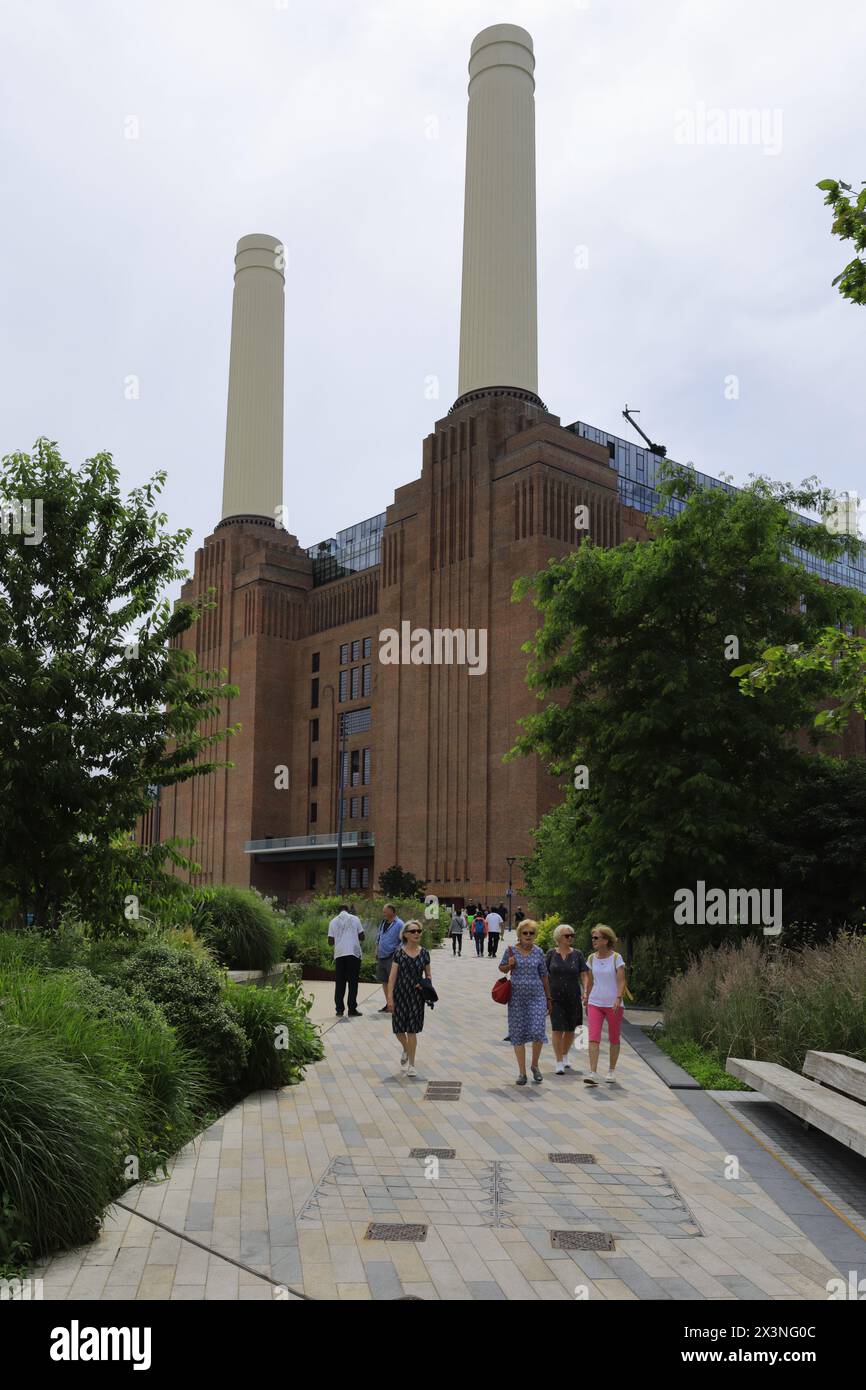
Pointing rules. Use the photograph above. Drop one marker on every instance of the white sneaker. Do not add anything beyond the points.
(404, 1057)
(559, 1068)
(611, 1078)
(410, 1070)
(591, 1079)
(566, 1063)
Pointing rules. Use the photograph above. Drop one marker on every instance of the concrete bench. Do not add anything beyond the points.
(843, 1119)
(846, 1074)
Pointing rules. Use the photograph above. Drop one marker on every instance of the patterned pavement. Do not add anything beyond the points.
(276, 1198)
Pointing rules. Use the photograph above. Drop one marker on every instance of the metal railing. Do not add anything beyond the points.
(325, 840)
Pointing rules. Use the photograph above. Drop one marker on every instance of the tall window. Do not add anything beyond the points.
(368, 647)
(315, 662)
(344, 684)
(356, 651)
(314, 812)
(368, 679)
(314, 731)
(356, 766)
(365, 877)
(356, 682)
(314, 692)
(365, 806)
(344, 654)
(353, 811)
(314, 772)
(366, 778)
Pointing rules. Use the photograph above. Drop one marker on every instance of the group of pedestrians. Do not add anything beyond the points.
(482, 923)
(558, 984)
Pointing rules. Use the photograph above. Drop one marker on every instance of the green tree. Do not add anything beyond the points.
(839, 654)
(849, 223)
(98, 707)
(814, 832)
(399, 883)
(632, 664)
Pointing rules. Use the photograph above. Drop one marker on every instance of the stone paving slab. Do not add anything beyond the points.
(288, 1182)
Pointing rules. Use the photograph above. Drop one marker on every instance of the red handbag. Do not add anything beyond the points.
(501, 991)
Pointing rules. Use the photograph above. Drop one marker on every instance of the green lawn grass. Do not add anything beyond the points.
(704, 1066)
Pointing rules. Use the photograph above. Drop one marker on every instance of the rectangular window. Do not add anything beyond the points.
(356, 651)
(315, 662)
(342, 878)
(368, 679)
(368, 647)
(314, 731)
(366, 767)
(314, 692)
(365, 877)
(311, 878)
(356, 682)
(358, 721)
(314, 772)
(344, 684)
(356, 766)
(344, 654)
(345, 809)
(365, 806)
(344, 769)
(353, 812)
(314, 812)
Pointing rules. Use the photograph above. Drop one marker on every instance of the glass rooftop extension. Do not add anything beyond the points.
(353, 549)
(638, 470)
(358, 547)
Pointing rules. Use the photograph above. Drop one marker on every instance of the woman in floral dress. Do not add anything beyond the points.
(530, 997)
(405, 998)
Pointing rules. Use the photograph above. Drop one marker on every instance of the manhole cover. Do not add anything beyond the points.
(432, 1153)
(581, 1240)
(572, 1158)
(443, 1090)
(381, 1230)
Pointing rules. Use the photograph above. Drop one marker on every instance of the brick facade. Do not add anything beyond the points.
(499, 483)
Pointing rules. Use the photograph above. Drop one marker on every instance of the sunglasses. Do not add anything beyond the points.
(414, 931)
(527, 933)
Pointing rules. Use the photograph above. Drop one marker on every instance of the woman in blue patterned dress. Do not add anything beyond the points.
(530, 997)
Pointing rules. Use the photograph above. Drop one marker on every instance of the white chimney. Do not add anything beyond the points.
(498, 315)
(253, 476)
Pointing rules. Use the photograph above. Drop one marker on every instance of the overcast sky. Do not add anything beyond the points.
(665, 266)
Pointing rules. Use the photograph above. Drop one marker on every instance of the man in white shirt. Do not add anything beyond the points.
(494, 927)
(345, 934)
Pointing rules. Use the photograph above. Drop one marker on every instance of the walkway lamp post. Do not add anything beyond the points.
(342, 760)
(509, 859)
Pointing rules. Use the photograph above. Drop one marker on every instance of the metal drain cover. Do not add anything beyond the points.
(572, 1158)
(432, 1153)
(381, 1230)
(443, 1090)
(581, 1240)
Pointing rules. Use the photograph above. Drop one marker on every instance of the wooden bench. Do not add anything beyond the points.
(839, 1116)
(845, 1074)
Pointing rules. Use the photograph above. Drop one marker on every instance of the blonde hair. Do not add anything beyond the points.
(527, 922)
(563, 926)
(406, 925)
(609, 933)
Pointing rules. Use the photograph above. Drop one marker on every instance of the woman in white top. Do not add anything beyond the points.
(604, 999)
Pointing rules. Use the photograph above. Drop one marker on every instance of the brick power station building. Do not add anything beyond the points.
(416, 747)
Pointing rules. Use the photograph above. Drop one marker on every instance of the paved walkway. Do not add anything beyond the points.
(276, 1198)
